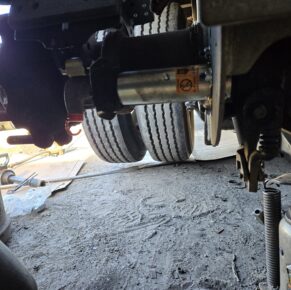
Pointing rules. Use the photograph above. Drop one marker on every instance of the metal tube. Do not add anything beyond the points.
(23, 140)
(8, 177)
(164, 86)
(259, 215)
(272, 217)
(32, 182)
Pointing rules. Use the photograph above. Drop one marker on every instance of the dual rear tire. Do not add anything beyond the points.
(165, 130)
(115, 141)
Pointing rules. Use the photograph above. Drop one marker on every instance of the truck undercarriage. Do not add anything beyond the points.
(108, 63)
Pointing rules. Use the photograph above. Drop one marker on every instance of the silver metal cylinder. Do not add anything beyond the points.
(8, 177)
(32, 182)
(285, 251)
(165, 86)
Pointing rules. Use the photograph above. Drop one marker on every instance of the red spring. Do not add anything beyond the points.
(73, 119)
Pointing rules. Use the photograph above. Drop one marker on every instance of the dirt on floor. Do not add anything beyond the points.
(185, 226)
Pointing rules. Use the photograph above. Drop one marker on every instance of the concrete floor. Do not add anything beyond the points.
(186, 226)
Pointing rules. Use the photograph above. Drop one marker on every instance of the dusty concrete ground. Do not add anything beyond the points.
(168, 227)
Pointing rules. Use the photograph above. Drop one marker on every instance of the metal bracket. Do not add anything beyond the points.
(250, 170)
(242, 164)
(256, 173)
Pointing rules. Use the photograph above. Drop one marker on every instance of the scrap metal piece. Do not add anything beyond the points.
(284, 179)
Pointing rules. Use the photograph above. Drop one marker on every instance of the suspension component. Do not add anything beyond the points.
(272, 217)
(258, 121)
(270, 144)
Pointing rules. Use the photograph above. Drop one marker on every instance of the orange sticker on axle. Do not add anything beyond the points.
(187, 80)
